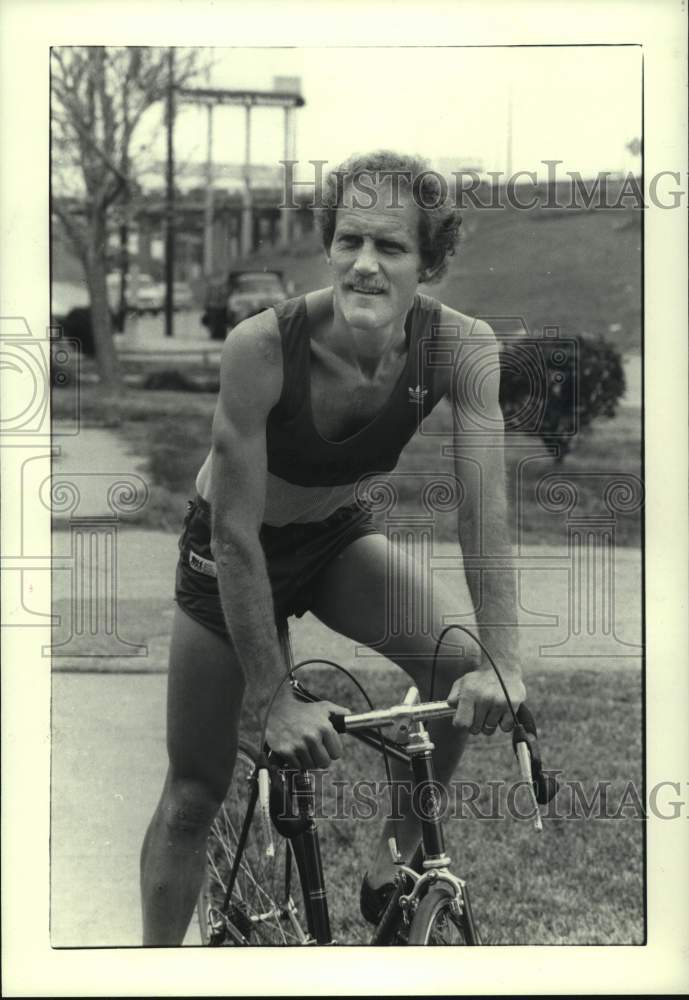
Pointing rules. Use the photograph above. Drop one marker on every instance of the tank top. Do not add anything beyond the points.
(310, 477)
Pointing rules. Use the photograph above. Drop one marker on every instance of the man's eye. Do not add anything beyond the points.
(391, 248)
(347, 240)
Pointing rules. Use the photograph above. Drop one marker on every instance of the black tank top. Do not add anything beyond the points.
(299, 455)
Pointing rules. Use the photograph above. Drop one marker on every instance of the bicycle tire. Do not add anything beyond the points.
(436, 921)
(262, 911)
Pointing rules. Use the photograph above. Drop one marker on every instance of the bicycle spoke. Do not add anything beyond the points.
(261, 908)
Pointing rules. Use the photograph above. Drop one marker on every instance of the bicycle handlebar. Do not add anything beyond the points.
(545, 785)
(380, 718)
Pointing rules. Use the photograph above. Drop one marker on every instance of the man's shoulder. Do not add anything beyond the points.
(260, 336)
(319, 303)
(251, 363)
(468, 326)
(257, 337)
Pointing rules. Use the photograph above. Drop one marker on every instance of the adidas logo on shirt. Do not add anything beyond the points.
(417, 395)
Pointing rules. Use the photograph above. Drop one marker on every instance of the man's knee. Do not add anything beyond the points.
(469, 657)
(460, 656)
(189, 806)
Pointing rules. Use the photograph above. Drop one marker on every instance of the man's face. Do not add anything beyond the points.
(375, 258)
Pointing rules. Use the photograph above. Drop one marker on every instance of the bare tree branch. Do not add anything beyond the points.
(99, 97)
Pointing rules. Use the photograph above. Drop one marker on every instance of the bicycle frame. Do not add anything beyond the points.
(430, 863)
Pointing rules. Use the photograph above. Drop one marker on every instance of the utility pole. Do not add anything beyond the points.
(170, 197)
(208, 215)
(247, 235)
(287, 154)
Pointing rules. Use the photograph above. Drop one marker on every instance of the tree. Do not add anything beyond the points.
(555, 389)
(99, 96)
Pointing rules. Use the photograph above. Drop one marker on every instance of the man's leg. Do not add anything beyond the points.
(205, 689)
(353, 599)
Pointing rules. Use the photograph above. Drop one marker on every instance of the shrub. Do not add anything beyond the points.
(555, 389)
(170, 379)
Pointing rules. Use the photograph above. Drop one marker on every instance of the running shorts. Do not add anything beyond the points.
(295, 556)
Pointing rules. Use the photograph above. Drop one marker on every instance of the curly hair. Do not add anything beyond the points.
(439, 221)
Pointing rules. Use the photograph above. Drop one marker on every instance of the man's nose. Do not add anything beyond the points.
(366, 260)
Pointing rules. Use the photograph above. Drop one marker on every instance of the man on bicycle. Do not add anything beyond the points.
(315, 394)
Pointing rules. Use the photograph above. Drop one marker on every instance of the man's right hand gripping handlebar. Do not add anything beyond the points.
(302, 733)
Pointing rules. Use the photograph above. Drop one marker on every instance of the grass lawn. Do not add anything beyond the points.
(580, 881)
(579, 271)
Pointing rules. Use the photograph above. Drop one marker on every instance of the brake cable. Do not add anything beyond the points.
(463, 628)
(520, 741)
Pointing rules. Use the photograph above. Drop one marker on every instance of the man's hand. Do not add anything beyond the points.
(480, 701)
(302, 733)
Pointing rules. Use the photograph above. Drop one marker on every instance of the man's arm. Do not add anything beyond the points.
(250, 385)
(478, 447)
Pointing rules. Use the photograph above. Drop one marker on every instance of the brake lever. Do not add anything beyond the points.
(542, 787)
(264, 809)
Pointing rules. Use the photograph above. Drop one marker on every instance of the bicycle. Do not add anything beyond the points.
(246, 898)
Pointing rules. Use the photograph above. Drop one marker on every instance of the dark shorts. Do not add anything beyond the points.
(296, 555)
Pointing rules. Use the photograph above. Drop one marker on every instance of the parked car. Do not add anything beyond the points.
(149, 296)
(66, 296)
(243, 294)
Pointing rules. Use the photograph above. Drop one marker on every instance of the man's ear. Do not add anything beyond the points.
(427, 274)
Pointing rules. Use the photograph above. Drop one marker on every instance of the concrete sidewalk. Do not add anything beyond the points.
(108, 766)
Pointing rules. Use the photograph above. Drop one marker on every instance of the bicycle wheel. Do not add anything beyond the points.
(439, 921)
(261, 911)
